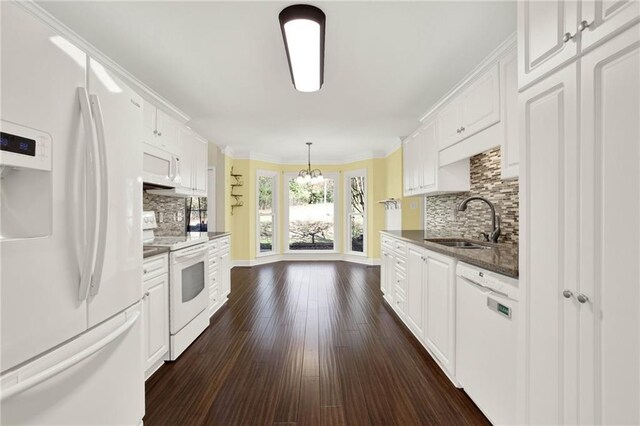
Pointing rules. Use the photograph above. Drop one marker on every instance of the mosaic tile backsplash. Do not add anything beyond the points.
(486, 182)
(169, 213)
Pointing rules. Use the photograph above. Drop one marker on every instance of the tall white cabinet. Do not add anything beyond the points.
(580, 233)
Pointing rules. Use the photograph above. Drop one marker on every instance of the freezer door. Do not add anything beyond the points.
(94, 379)
(40, 277)
(118, 115)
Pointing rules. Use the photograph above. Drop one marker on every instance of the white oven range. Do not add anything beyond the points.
(188, 298)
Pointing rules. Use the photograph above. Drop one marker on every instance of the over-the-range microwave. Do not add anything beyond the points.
(160, 167)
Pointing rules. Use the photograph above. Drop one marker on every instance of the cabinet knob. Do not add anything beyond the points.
(583, 26)
(566, 37)
(144, 271)
(159, 133)
(461, 129)
(155, 132)
(458, 130)
(567, 294)
(582, 298)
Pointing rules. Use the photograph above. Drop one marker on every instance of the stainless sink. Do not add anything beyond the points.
(463, 244)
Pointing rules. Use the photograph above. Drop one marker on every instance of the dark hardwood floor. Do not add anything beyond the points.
(305, 343)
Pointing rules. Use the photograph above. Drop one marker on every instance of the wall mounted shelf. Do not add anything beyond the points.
(237, 198)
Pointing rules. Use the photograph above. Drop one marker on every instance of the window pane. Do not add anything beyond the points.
(196, 214)
(265, 194)
(357, 194)
(357, 233)
(266, 233)
(311, 215)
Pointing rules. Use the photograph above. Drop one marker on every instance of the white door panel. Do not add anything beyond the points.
(40, 277)
(415, 290)
(541, 28)
(548, 119)
(610, 320)
(120, 285)
(438, 305)
(604, 18)
(449, 124)
(481, 103)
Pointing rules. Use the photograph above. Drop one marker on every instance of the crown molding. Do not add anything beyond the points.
(93, 52)
(496, 54)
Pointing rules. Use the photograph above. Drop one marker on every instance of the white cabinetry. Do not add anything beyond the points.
(424, 296)
(415, 309)
(219, 273)
(155, 309)
(160, 129)
(439, 284)
(422, 171)
(552, 33)
(510, 147)
(193, 172)
(580, 276)
(475, 109)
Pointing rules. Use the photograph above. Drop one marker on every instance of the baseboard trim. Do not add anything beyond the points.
(306, 257)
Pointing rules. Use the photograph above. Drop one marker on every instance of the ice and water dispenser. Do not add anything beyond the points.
(25, 182)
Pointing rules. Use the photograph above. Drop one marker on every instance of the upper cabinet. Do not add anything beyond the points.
(422, 171)
(552, 33)
(194, 162)
(160, 129)
(475, 109)
(476, 116)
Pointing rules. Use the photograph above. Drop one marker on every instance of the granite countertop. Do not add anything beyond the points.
(501, 258)
(148, 251)
(214, 235)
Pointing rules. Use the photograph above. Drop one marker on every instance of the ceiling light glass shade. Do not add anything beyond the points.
(302, 29)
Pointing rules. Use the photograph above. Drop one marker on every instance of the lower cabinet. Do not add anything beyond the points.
(219, 272)
(155, 309)
(439, 283)
(424, 298)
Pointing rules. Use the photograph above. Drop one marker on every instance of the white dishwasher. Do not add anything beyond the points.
(486, 341)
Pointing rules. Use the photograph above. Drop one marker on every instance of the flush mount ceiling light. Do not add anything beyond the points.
(302, 29)
(307, 175)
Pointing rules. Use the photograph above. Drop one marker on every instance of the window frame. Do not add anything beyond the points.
(336, 214)
(349, 212)
(274, 212)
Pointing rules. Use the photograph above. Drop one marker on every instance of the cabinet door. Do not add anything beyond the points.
(156, 319)
(604, 18)
(187, 154)
(168, 132)
(549, 236)
(400, 295)
(225, 277)
(150, 134)
(429, 155)
(415, 288)
(439, 306)
(408, 162)
(542, 26)
(610, 198)
(510, 148)
(480, 103)
(449, 124)
(200, 164)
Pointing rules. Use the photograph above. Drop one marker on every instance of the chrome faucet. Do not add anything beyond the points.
(495, 218)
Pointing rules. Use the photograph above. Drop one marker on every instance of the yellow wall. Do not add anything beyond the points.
(384, 180)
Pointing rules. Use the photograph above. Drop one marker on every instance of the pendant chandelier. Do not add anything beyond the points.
(307, 175)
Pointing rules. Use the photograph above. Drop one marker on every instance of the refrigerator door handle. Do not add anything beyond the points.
(92, 197)
(14, 387)
(104, 194)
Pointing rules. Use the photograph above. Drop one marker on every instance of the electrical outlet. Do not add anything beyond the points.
(413, 205)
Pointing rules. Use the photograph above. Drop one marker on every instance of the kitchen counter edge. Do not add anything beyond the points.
(502, 259)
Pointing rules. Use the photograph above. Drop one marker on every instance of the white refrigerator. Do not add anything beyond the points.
(70, 233)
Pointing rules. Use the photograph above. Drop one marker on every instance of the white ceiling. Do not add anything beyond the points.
(224, 64)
